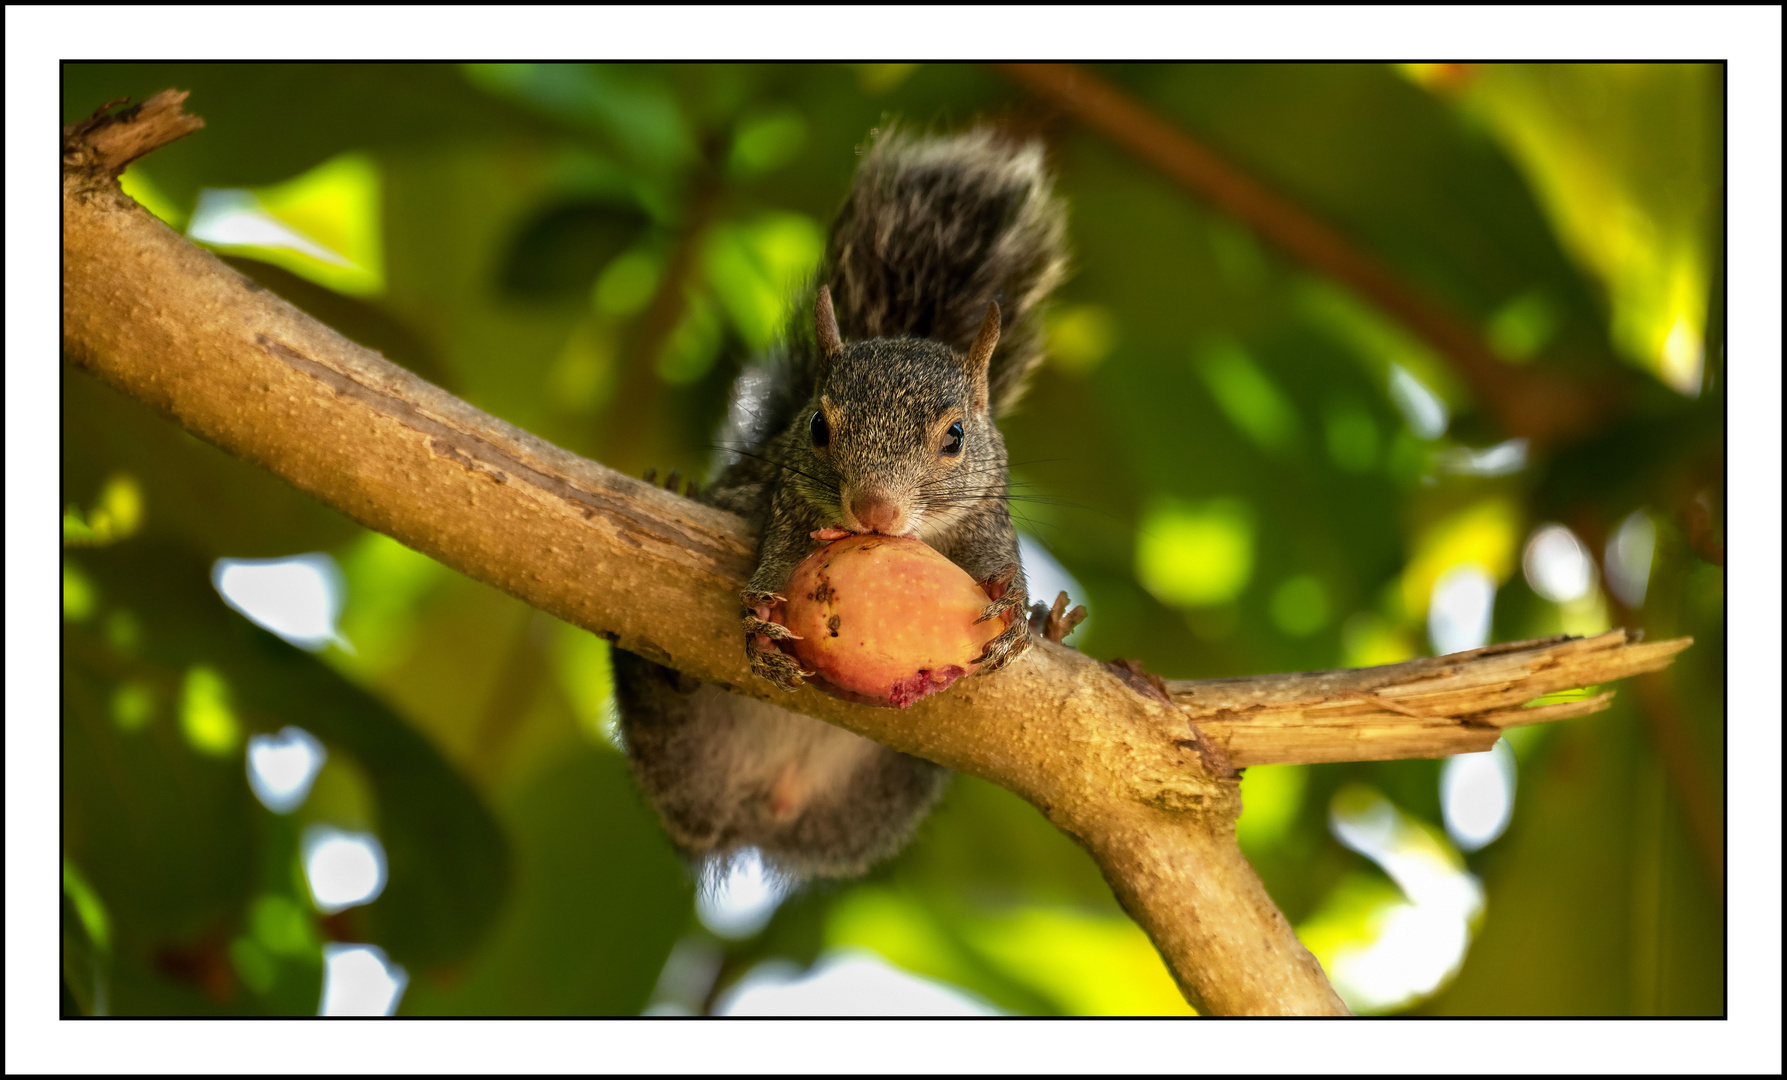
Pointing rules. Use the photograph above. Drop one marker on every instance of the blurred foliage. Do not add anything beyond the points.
(1245, 468)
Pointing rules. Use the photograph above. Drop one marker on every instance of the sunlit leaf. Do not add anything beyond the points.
(1626, 159)
(326, 225)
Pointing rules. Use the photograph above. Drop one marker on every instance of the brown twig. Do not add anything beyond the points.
(1433, 707)
(1533, 404)
(641, 387)
(102, 146)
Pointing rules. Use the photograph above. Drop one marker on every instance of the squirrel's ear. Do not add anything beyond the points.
(981, 354)
(825, 327)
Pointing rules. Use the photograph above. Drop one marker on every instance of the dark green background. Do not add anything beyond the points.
(527, 877)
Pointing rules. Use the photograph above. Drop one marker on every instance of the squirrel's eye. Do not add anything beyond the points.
(952, 440)
(821, 430)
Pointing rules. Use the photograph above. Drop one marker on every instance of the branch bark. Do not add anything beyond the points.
(1435, 707)
(1129, 773)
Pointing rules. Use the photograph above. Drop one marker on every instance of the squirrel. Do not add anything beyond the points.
(925, 330)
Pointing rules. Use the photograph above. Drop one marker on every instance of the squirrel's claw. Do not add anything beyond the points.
(1054, 624)
(773, 630)
(769, 662)
(1005, 648)
(1015, 639)
(761, 634)
(1004, 598)
(996, 585)
(761, 602)
(689, 490)
(999, 607)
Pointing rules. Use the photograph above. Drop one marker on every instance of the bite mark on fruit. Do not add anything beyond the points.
(923, 685)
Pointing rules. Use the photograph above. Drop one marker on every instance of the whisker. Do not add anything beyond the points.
(777, 464)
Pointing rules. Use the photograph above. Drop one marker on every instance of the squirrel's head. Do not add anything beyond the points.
(901, 437)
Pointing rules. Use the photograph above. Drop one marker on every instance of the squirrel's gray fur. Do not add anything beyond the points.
(934, 232)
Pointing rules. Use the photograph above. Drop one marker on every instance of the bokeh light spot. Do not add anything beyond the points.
(628, 283)
(1368, 639)
(1502, 459)
(1384, 952)
(1640, 222)
(1477, 795)
(846, 983)
(133, 706)
(1195, 555)
(123, 630)
(1458, 618)
(1629, 553)
(583, 375)
(1090, 964)
(1247, 396)
(117, 514)
(80, 597)
(1486, 534)
(1080, 337)
(324, 225)
(149, 196)
(343, 869)
(206, 718)
(234, 218)
(122, 501)
(1684, 357)
(88, 907)
(1557, 565)
(738, 900)
(767, 141)
(298, 598)
(282, 927)
(359, 980)
(1427, 415)
(282, 767)
(1522, 326)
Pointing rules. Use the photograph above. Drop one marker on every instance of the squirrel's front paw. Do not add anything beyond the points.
(1015, 639)
(761, 634)
(1005, 598)
(1005, 648)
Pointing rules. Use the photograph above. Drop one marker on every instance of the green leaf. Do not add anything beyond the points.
(600, 900)
(447, 856)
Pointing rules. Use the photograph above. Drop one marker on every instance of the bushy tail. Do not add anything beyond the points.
(934, 228)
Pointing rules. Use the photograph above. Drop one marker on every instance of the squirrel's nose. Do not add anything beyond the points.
(875, 512)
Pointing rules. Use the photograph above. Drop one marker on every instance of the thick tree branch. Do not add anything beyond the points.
(1128, 773)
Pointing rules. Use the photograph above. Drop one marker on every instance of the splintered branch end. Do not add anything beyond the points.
(104, 144)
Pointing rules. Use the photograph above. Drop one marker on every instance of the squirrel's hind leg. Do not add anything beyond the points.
(727, 772)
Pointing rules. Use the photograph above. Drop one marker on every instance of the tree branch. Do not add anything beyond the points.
(1436, 707)
(1128, 773)
(1540, 406)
